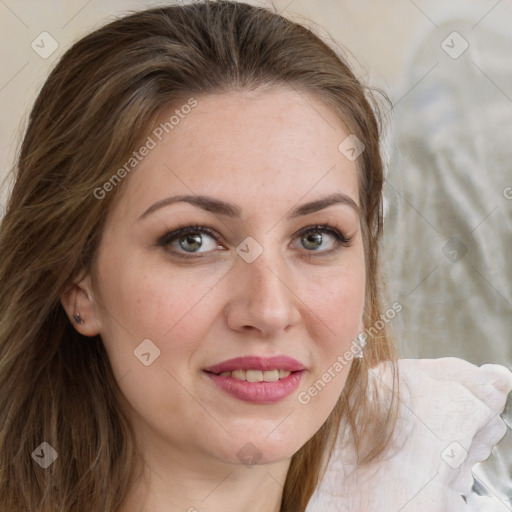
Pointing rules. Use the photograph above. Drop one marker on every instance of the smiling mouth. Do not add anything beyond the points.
(257, 379)
(257, 386)
(257, 375)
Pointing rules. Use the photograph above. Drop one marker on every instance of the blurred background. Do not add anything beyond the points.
(447, 68)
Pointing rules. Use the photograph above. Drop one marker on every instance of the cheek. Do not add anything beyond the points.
(337, 297)
(172, 308)
(341, 310)
(338, 310)
(341, 300)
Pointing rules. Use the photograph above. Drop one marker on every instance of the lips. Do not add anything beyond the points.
(261, 380)
(257, 363)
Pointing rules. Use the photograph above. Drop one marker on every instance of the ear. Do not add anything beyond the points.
(79, 299)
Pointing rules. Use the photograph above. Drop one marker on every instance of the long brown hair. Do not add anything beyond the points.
(96, 106)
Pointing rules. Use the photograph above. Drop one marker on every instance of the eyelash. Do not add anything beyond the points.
(340, 239)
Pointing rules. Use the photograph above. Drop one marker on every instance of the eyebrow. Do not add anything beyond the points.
(218, 207)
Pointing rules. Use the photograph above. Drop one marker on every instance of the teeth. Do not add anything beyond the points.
(271, 375)
(238, 374)
(253, 375)
(257, 375)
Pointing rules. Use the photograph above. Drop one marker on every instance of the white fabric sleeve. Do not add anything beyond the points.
(449, 420)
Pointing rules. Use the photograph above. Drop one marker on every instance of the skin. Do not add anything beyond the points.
(267, 152)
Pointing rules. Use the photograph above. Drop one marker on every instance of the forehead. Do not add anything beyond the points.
(247, 146)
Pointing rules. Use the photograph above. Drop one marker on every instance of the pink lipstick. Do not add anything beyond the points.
(255, 379)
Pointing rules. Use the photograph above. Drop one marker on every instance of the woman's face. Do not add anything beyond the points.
(256, 289)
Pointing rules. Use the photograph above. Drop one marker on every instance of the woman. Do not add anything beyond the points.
(191, 317)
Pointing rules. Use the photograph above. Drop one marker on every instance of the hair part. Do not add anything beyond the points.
(97, 105)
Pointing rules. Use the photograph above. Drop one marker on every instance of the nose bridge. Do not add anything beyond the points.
(266, 276)
(264, 298)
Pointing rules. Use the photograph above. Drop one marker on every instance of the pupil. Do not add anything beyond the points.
(194, 241)
(314, 239)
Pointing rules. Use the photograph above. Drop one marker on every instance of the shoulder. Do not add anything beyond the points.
(449, 420)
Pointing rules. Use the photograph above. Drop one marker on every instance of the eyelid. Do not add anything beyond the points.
(188, 228)
(326, 228)
(341, 239)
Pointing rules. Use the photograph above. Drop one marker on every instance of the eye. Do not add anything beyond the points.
(191, 239)
(322, 238)
(194, 239)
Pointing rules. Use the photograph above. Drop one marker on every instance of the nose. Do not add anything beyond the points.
(264, 298)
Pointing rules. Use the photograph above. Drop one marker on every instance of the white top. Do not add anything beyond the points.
(449, 420)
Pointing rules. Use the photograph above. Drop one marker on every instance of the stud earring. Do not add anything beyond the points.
(77, 318)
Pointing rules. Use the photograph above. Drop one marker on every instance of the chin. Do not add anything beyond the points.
(256, 449)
